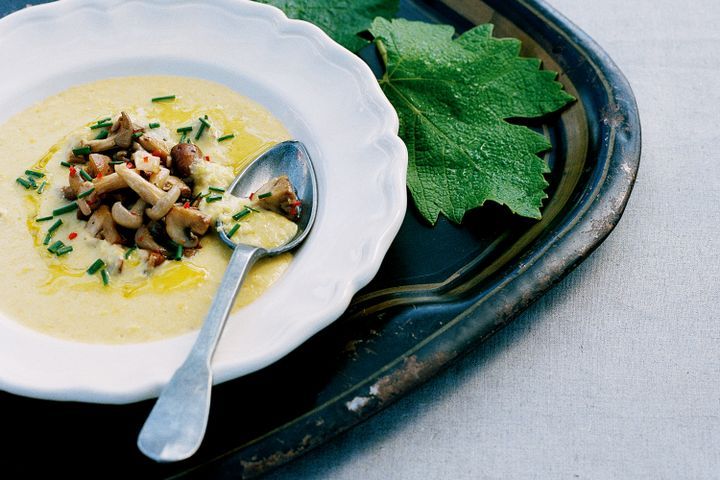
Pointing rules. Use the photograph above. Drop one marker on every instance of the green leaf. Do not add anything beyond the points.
(454, 97)
(341, 19)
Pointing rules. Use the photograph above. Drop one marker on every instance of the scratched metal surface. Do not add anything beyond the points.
(440, 290)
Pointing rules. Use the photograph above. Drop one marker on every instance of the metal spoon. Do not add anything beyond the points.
(175, 428)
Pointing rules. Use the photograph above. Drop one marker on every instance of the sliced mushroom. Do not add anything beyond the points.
(183, 156)
(101, 225)
(145, 240)
(147, 191)
(182, 223)
(278, 195)
(122, 131)
(164, 204)
(160, 178)
(185, 191)
(99, 165)
(155, 259)
(85, 204)
(108, 183)
(129, 218)
(155, 145)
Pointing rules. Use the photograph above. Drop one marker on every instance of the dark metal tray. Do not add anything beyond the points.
(439, 292)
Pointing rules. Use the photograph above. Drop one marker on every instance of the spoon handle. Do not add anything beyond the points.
(176, 425)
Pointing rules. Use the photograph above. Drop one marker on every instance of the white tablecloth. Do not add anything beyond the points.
(616, 372)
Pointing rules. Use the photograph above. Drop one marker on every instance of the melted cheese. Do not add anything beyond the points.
(54, 294)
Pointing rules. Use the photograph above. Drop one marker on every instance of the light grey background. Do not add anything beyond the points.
(615, 373)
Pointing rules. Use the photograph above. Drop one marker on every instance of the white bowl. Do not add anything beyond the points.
(326, 96)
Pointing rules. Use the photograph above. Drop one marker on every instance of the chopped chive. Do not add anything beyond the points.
(251, 209)
(226, 137)
(216, 189)
(47, 238)
(102, 135)
(97, 265)
(204, 121)
(242, 213)
(163, 99)
(137, 135)
(105, 277)
(44, 219)
(63, 250)
(33, 173)
(41, 188)
(265, 195)
(54, 247)
(32, 182)
(103, 120)
(129, 252)
(184, 129)
(213, 198)
(65, 164)
(86, 193)
(200, 132)
(233, 230)
(117, 162)
(179, 252)
(182, 138)
(23, 182)
(153, 125)
(81, 151)
(101, 125)
(85, 175)
(55, 225)
(65, 208)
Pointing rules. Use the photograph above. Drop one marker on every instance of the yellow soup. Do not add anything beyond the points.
(55, 294)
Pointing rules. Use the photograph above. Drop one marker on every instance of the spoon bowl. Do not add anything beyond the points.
(176, 425)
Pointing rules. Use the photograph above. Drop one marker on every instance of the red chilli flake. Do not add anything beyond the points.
(207, 158)
(73, 172)
(72, 235)
(145, 159)
(130, 165)
(296, 203)
(252, 195)
(293, 211)
(186, 205)
(99, 175)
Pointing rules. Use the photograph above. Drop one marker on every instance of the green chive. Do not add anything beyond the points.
(85, 175)
(241, 214)
(129, 252)
(154, 125)
(265, 195)
(33, 173)
(101, 125)
(42, 188)
(23, 182)
(117, 162)
(137, 135)
(32, 182)
(63, 250)
(105, 277)
(182, 139)
(216, 189)
(200, 132)
(97, 265)
(213, 198)
(55, 225)
(47, 239)
(179, 252)
(102, 135)
(44, 219)
(162, 99)
(184, 129)
(54, 247)
(103, 120)
(252, 209)
(204, 121)
(65, 164)
(233, 230)
(81, 151)
(226, 137)
(86, 193)
(65, 208)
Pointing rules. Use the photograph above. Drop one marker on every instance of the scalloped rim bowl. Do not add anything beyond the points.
(325, 95)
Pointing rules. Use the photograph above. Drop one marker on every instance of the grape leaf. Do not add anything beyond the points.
(453, 97)
(341, 19)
